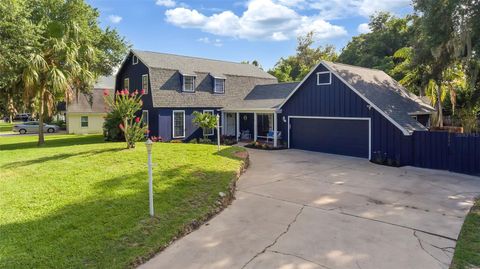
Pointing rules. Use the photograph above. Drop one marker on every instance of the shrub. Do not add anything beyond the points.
(205, 141)
(204, 121)
(176, 141)
(123, 106)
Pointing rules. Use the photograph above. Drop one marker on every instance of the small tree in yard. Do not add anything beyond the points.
(123, 106)
(204, 121)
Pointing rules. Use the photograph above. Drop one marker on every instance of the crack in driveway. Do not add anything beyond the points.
(426, 251)
(300, 257)
(276, 238)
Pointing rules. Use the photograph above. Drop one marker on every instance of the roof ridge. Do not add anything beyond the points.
(356, 66)
(194, 57)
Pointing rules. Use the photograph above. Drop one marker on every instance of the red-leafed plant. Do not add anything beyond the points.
(123, 106)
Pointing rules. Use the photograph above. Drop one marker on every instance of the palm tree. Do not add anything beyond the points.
(58, 71)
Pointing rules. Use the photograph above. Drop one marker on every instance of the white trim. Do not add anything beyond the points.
(321, 73)
(222, 120)
(213, 129)
(252, 110)
(147, 89)
(255, 127)
(173, 123)
(183, 83)
(404, 131)
(126, 81)
(275, 133)
(237, 122)
(134, 57)
(336, 118)
(215, 85)
(148, 123)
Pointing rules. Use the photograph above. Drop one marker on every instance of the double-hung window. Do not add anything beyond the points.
(84, 121)
(208, 131)
(145, 83)
(188, 83)
(178, 123)
(126, 84)
(219, 85)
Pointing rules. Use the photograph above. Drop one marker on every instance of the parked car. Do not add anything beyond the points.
(33, 126)
(22, 117)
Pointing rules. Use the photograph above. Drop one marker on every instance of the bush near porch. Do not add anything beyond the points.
(78, 202)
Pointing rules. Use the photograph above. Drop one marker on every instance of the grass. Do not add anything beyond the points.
(467, 251)
(78, 202)
(5, 127)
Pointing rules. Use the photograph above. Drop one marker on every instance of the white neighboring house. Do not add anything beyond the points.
(86, 116)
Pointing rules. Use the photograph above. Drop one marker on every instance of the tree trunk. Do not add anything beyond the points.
(125, 130)
(439, 106)
(41, 136)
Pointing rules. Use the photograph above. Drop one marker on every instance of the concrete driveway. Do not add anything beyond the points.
(299, 209)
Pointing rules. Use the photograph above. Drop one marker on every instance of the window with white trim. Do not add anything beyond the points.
(219, 85)
(134, 60)
(188, 83)
(324, 78)
(126, 84)
(145, 83)
(178, 122)
(84, 121)
(145, 117)
(208, 131)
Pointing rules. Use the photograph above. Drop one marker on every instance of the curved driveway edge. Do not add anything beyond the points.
(298, 209)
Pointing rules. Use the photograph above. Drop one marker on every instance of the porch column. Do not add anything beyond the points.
(238, 126)
(275, 129)
(223, 123)
(255, 131)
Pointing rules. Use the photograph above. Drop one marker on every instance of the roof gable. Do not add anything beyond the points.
(380, 91)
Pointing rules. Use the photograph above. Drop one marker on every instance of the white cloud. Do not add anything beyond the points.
(363, 28)
(166, 3)
(114, 19)
(335, 9)
(262, 19)
(216, 42)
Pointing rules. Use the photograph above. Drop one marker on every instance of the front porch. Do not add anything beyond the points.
(251, 125)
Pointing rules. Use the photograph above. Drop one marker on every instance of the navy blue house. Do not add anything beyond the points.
(336, 108)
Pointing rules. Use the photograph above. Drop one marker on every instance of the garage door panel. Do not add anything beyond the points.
(336, 136)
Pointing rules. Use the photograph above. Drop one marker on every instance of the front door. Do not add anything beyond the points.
(230, 124)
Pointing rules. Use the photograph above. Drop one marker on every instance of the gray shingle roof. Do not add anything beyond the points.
(385, 93)
(191, 65)
(166, 80)
(94, 103)
(267, 96)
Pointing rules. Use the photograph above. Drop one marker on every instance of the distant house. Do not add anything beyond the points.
(85, 114)
(336, 108)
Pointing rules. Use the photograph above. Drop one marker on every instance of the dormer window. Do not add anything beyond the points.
(219, 85)
(134, 60)
(188, 83)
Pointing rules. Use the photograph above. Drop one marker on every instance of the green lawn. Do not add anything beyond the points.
(5, 127)
(79, 202)
(467, 251)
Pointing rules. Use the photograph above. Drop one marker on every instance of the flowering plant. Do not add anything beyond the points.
(124, 105)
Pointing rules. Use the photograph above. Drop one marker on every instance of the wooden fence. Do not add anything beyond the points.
(447, 151)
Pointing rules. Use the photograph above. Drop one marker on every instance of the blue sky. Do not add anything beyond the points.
(238, 30)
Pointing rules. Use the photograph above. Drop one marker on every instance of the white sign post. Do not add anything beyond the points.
(149, 145)
(218, 132)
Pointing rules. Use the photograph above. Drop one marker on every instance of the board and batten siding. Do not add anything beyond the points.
(338, 100)
(134, 73)
(165, 123)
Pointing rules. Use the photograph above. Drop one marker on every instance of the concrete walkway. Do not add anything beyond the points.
(298, 209)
